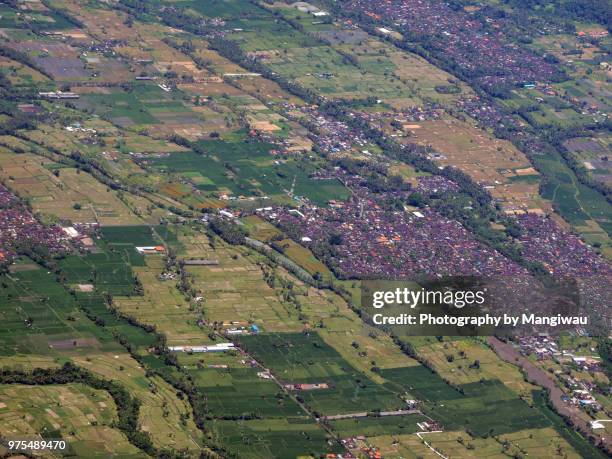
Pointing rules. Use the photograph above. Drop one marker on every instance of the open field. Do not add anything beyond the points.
(248, 168)
(41, 316)
(235, 290)
(72, 196)
(487, 407)
(239, 391)
(164, 306)
(161, 411)
(109, 269)
(284, 438)
(400, 78)
(469, 361)
(59, 331)
(180, 132)
(299, 358)
(19, 74)
(593, 153)
(373, 426)
(261, 229)
(303, 257)
(531, 442)
(496, 164)
(76, 413)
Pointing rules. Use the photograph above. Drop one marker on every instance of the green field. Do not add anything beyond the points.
(38, 313)
(282, 438)
(248, 168)
(483, 408)
(298, 358)
(373, 426)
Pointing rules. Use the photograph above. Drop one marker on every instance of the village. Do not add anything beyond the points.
(573, 368)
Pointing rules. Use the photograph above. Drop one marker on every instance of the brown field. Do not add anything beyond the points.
(211, 88)
(176, 190)
(18, 74)
(55, 197)
(261, 229)
(489, 161)
(163, 306)
(262, 87)
(157, 397)
(102, 24)
(82, 415)
(531, 443)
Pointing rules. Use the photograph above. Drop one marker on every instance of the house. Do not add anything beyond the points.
(151, 250)
(219, 347)
(58, 95)
(226, 213)
(70, 231)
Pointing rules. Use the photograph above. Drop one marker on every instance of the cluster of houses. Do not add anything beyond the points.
(329, 135)
(561, 252)
(241, 330)
(19, 227)
(583, 398)
(358, 446)
(81, 234)
(488, 115)
(308, 8)
(564, 255)
(475, 45)
(402, 118)
(375, 240)
(579, 392)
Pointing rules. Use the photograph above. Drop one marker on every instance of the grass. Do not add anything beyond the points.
(110, 270)
(161, 411)
(544, 442)
(240, 392)
(44, 325)
(576, 203)
(226, 9)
